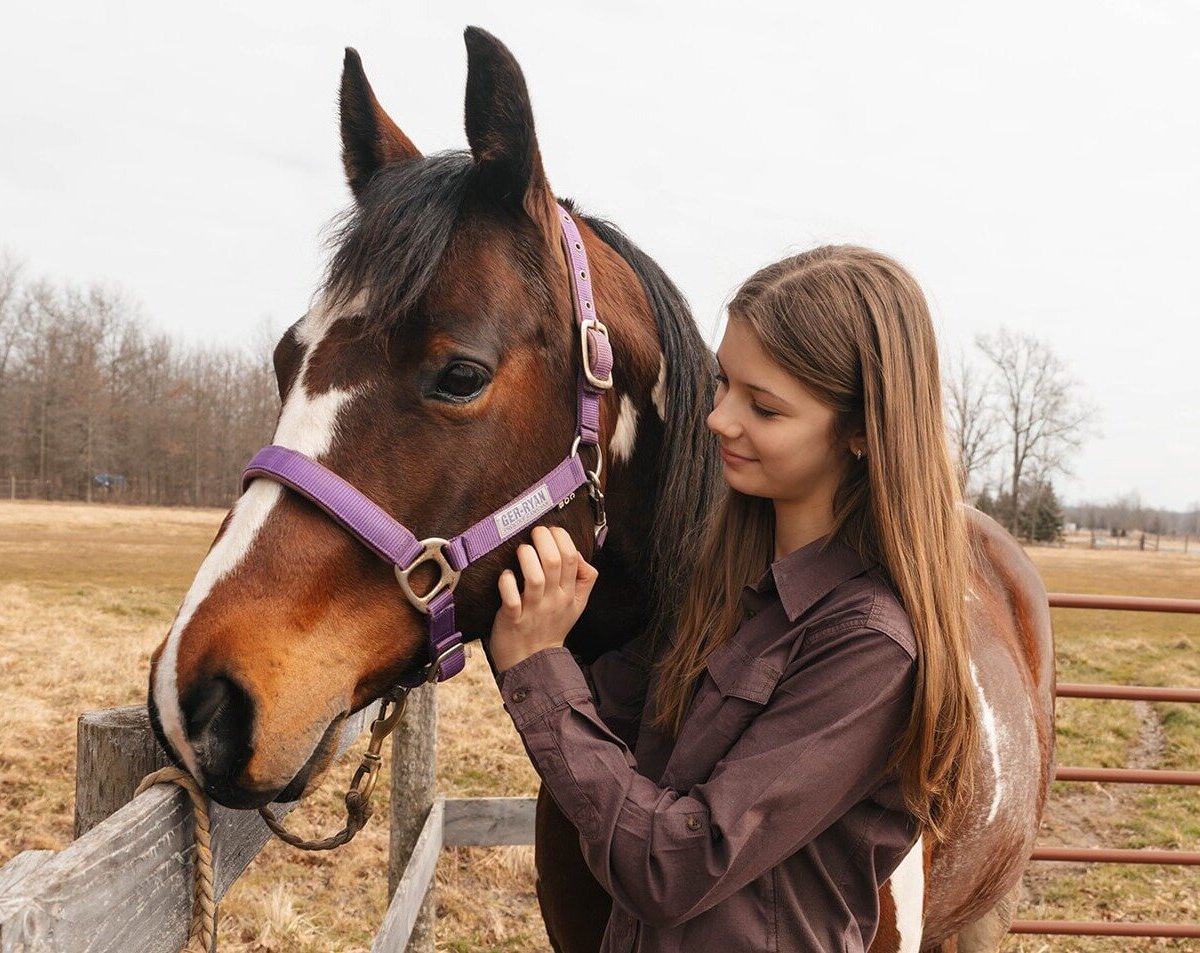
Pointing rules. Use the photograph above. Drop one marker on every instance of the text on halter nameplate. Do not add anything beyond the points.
(523, 512)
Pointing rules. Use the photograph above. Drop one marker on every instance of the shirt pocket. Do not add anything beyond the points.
(737, 687)
(738, 674)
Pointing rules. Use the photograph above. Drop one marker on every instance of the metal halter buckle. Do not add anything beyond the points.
(594, 324)
(435, 667)
(432, 552)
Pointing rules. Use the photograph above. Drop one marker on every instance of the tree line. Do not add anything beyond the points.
(95, 405)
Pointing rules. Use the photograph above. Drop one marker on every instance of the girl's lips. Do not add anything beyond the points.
(732, 458)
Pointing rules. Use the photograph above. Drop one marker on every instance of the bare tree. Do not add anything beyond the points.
(970, 419)
(1042, 419)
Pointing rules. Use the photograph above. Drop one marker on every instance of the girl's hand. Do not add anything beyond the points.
(558, 582)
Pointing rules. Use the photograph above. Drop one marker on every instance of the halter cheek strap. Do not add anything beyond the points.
(392, 541)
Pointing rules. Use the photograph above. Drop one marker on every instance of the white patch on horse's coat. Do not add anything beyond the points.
(307, 425)
(625, 432)
(908, 893)
(659, 394)
(987, 721)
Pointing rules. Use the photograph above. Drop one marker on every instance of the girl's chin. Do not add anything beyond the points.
(738, 481)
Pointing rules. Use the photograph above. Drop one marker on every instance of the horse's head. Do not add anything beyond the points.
(437, 374)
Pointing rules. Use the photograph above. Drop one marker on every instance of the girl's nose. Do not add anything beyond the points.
(719, 421)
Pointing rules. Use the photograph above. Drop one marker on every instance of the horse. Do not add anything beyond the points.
(436, 373)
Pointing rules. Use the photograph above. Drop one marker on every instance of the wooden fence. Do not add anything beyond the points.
(124, 884)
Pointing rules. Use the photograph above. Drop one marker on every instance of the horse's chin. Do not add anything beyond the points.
(309, 777)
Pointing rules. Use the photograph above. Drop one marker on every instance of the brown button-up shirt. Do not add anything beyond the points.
(769, 823)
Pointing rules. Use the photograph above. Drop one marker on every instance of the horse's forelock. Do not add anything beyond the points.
(392, 240)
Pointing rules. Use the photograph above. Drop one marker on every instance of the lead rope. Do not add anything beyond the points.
(204, 905)
(358, 812)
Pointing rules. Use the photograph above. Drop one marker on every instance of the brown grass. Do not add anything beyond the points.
(87, 592)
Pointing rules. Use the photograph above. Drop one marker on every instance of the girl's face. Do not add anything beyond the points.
(777, 439)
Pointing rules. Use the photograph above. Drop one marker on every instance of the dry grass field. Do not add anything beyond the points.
(87, 592)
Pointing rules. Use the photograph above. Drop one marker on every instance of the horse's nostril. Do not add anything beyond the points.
(205, 703)
(219, 716)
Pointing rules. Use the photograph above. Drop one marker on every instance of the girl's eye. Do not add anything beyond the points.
(763, 412)
(461, 382)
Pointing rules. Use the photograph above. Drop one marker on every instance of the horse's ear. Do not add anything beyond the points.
(499, 120)
(370, 140)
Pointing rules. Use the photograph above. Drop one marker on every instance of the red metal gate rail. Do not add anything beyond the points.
(1061, 600)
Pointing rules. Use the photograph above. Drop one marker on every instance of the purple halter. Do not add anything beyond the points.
(392, 541)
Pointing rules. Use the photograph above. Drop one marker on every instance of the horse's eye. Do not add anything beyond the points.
(461, 381)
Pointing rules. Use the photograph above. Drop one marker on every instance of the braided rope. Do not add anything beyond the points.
(358, 812)
(204, 905)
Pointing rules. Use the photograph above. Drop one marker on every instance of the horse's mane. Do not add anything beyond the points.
(391, 241)
(687, 473)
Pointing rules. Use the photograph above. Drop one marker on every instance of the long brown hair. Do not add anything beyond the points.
(854, 328)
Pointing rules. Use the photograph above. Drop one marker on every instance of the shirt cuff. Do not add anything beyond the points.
(547, 681)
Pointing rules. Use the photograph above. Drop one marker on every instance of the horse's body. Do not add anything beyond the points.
(437, 375)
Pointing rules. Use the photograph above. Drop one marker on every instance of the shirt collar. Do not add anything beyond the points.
(807, 575)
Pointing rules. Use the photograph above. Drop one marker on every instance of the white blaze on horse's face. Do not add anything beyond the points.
(307, 424)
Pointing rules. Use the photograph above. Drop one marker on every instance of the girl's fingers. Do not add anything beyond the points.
(548, 554)
(510, 595)
(531, 569)
(566, 545)
(585, 578)
(568, 558)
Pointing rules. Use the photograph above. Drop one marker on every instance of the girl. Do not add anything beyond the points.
(814, 711)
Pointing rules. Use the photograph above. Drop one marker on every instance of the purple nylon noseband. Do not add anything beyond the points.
(392, 541)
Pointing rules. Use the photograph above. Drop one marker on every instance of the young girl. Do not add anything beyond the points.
(814, 711)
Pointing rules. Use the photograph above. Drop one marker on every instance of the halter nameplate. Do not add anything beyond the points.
(392, 541)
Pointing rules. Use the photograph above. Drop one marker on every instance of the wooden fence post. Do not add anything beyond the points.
(414, 782)
(115, 749)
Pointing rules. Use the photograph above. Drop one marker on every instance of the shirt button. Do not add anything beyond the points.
(520, 694)
(693, 823)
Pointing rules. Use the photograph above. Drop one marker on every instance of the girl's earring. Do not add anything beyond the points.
(858, 454)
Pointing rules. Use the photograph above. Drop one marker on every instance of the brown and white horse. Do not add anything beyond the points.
(437, 373)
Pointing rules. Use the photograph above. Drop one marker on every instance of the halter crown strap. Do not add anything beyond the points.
(391, 540)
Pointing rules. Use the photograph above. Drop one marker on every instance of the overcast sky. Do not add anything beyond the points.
(1036, 165)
